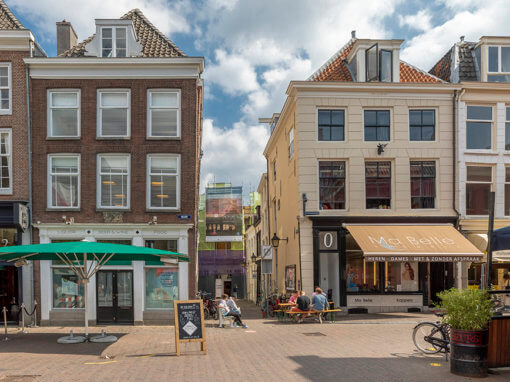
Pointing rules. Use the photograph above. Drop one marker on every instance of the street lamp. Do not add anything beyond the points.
(275, 240)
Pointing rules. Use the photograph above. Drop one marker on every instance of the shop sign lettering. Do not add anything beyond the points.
(396, 244)
(424, 259)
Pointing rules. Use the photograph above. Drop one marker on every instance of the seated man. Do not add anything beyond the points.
(227, 312)
(303, 304)
(231, 303)
(319, 301)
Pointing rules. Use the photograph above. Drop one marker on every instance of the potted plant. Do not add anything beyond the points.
(468, 312)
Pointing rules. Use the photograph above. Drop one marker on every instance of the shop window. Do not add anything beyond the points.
(223, 245)
(331, 125)
(161, 287)
(64, 181)
(332, 185)
(423, 184)
(422, 125)
(68, 289)
(478, 187)
(163, 181)
(479, 128)
(5, 162)
(5, 88)
(165, 245)
(378, 185)
(164, 113)
(362, 276)
(113, 113)
(113, 188)
(401, 277)
(377, 125)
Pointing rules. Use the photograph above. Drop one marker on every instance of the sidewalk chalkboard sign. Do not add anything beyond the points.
(189, 323)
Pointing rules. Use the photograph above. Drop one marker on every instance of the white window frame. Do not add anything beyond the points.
(481, 120)
(291, 142)
(49, 181)
(9, 86)
(114, 41)
(98, 183)
(100, 110)
(177, 182)
(8, 190)
(499, 59)
(491, 183)
(150, 107)
(49, 107)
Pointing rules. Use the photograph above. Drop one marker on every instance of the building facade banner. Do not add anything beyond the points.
(224, 214)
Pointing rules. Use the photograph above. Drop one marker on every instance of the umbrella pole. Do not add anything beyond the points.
(86, 281)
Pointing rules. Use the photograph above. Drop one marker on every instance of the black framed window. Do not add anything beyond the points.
(332, 185)
(378, 185)
(372, 63)
(331, 125)
(422, 125)
(423, 184)
(377, 125)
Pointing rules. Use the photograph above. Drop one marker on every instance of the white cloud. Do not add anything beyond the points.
(233, 155)
(482, 18)
(44, 14)
(420, 21)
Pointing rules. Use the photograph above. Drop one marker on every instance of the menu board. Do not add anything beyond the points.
(189, 323)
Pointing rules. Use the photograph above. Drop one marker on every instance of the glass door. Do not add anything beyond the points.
(115, 297)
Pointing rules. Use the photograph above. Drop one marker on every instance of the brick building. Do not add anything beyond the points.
(116, 128)
(16, 43)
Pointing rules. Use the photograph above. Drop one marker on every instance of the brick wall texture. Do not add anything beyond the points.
(17, 122)
(138, 146)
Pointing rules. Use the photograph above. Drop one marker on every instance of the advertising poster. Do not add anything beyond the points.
(162, 287)
(224, 214)
(409, 276)
(290, 277)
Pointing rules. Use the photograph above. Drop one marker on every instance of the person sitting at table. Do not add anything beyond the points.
(226, 311)
(303, 305)
(319, 301)
(293, 298)
(315, 292)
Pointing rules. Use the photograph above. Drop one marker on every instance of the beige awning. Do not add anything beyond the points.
(425, 243)
(501, 256)
(479, 240)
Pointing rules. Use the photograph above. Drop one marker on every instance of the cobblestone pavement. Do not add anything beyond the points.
(355, 348)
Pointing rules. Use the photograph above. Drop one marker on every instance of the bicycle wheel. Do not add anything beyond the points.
(427, 329)
(206, 313)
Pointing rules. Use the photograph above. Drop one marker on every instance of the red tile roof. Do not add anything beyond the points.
(335, 69)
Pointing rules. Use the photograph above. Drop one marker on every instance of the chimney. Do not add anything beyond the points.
(353, 34)
(66, 36)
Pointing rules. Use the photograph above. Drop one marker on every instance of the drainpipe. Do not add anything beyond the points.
(455, 131)
(269, 221)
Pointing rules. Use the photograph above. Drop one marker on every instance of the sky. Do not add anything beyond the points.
(254, 48)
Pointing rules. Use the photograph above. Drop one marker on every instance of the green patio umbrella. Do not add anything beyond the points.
(78, 254)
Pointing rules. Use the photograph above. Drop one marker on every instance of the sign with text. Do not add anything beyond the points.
(223, 214)
(408, 300)
(189, 323)
(425, 259)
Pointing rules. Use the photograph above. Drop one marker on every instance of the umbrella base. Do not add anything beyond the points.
(71, 339)
(104, 339)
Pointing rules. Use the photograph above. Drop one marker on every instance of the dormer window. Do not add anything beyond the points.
(499, 64)
(113, 42)
(378, 64)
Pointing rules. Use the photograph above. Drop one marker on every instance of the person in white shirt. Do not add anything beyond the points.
(226, 311)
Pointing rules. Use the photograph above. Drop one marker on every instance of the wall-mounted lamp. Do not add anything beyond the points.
(275, 240)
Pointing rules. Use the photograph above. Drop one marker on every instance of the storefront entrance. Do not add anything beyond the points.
(115, 297)
(441, 278)
(9, 292)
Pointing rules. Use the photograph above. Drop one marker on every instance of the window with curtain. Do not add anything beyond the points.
(63, 113)
(64, 180)
(163, 181)
(478, 187)
(5, 161)
(164, 113)
(377, 125)
(332, 185)
(113, 113)
(423, 184)
(114, 181)
(378, 185)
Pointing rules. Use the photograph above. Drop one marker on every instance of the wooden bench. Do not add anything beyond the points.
(314, 313)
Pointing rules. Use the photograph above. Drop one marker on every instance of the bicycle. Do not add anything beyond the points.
(210, 305)
(432, 337)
